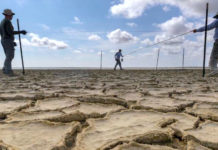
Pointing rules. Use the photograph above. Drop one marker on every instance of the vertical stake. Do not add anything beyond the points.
(158, 54)
(101, 61)
(205, 40)
(21, 52)
(183, 58)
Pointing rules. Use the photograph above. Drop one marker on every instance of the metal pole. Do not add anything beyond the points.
(21, 52)
(183, 58)
(205, 40)
(158, 54)
(101, 61)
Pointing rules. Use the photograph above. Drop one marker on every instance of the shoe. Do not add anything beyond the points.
(215, 72)
(9, 73)
(3, 70)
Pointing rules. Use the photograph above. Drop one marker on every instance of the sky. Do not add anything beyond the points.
(72, 33)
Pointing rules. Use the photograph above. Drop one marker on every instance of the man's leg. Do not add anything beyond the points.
(120, 65)
(115, 67)
(213, 60)
(3, 69)
(9, 53)
(8, 60)
(214, 57)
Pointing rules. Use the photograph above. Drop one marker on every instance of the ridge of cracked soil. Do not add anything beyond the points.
(107, 110)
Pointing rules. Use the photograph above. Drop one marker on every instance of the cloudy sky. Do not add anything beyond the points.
(71, 33)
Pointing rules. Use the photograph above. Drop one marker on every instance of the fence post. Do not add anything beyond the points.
(205, 40)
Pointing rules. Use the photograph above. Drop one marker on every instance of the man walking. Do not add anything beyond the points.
(214, 54)
(117, 58)
(7, 40)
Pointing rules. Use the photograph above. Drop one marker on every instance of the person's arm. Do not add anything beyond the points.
(16, 32)
(20, 32)
(121, 55)
(10, 30)
(209, 27)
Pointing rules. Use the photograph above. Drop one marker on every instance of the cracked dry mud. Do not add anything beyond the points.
(107, 110)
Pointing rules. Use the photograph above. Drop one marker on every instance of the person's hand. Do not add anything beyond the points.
(194, 31)
(23, 32)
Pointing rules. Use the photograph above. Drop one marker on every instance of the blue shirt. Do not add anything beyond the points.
(210, 27)
(118, 55)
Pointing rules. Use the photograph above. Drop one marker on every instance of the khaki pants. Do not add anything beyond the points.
(214, 56)
(8, 46)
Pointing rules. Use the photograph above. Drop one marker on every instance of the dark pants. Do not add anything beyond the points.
(118, 63)
(214, 56)
(8, 46)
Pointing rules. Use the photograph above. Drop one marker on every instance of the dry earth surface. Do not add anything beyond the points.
(108, 110)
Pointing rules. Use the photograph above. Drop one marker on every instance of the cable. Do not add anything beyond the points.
(161, 42)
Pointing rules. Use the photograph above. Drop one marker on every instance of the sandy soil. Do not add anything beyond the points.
(107, 110)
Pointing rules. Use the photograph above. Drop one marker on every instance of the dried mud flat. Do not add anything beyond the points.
(107, 110)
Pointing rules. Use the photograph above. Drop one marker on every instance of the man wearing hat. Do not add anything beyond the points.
(117, 58)
(7, 40)
(214, 54)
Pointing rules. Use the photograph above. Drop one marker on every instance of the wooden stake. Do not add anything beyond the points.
(21, 52)
(101, 61)
(183, 58)
(205, 40)
(158, 54)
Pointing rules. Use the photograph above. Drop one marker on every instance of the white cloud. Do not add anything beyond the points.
(147, 54)
(170, 28)
(94, 37)
(91, 50)
(118, 36)
(77, 51)
(44, 26)
(131, 24)
(165, 36)
(147, 42)
(171, 50)
(193, 47)
(113, 51)
(130, 8)
(136, 8)
(176, 25)
(172, 46)
(195, 8)
(166, 8)
(36, 41)
(77, 21)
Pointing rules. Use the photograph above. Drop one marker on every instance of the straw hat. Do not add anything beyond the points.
(8, 12)
(216, 16)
